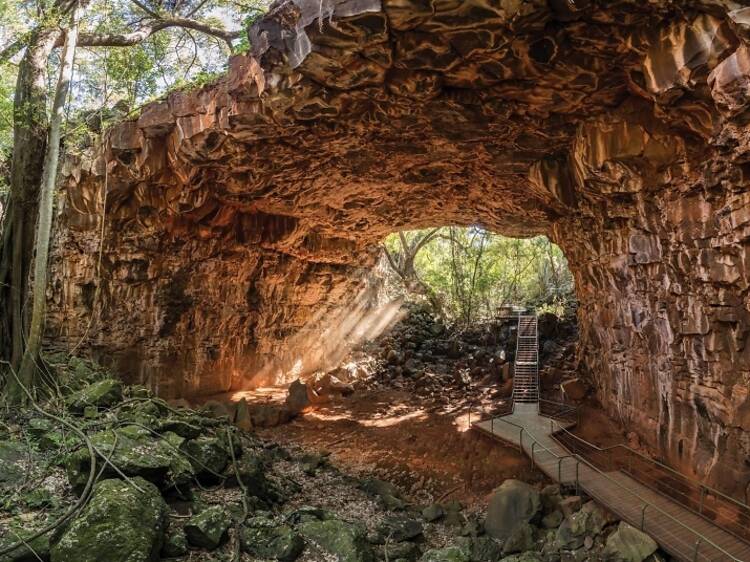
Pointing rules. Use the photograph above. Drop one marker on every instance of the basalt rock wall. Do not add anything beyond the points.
(227, 234)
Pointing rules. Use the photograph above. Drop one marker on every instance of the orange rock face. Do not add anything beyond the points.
(241, 219)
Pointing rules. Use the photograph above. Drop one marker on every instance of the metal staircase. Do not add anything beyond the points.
(526, 372)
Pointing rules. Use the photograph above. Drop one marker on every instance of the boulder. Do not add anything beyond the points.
(262, 537)
(251, 469)
(208, 529)
(207, 455)
(101, 394)
(400, 529)
(512, 504)
(298, 397)
(524, 557)
(448, 554)
(433, 512)
(628, 544)
(590, 520)
(346, 541)
(17, 529)
(121, 523)
(483, 549)
(243, 418)
(175, 544)
(404, 551)
(14, 457)
(388, 493)
(135, 452)
(520, 540)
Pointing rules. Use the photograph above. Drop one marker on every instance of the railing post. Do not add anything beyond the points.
(643, 516)
(533, 447)
(492, 425)
(695, 552)
(559, 470)
(520, 440)
(578, 486)
(611, 461)
(703, 495)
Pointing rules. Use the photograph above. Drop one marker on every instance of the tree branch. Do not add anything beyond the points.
(140, 35)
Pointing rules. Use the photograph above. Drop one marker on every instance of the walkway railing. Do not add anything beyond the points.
(721, 509)
(689, 544)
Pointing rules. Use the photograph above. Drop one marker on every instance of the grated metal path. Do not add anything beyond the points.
(679, 531)
(526, 367)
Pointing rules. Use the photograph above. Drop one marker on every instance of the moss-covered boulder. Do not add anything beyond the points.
(251, 470)
(448, 554)
(208, 529)
(346, 541)
(119, 524)
(628, 544)
(136, 452)
(207, 455)
(261, 537)
(16, 530)
(14, 456)
(101, 394)
(175, 543)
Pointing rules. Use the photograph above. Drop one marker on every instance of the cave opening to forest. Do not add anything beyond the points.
(241, 213)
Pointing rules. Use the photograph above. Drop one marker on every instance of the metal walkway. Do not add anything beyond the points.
(678, 530)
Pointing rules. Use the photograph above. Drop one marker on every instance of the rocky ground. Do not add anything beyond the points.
(113, 473)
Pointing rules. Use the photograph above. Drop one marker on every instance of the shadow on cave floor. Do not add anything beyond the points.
(401, 407)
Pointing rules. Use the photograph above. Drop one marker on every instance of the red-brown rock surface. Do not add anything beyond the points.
(240, 215)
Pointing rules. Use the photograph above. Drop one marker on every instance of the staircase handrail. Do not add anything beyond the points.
(702, 538)
(608, 448)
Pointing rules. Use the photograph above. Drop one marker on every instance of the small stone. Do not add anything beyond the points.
(208, 529)
(433, 512)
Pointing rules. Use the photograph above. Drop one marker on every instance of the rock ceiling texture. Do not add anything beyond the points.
(239, 217)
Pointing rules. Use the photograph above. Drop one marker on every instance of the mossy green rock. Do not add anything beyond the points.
(482, 549)
(175, 544)
(449, 554)
(346, 541)
(13, 459)
(100, 394)
(207, 455)
(208, 529)
(120, 524)
(524, 557)
(628, 544)
(15, 529)
(136, 452)
(263, 538)
(251, 469)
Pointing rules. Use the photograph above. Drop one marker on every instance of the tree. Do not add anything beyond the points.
(472, 271)
(401, 258)
(109, 23)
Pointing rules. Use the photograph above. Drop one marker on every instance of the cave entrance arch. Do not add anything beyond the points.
(238, 210)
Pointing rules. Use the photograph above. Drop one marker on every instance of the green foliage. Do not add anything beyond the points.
(473, 272)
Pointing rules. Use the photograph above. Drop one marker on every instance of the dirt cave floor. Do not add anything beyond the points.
(410, 397)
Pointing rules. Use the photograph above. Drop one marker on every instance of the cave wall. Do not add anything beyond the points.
(238, 223)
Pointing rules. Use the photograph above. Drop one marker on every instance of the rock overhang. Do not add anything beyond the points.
(240, 214)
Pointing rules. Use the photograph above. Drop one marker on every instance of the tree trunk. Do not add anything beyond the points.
(29, 144)
(29, 369)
